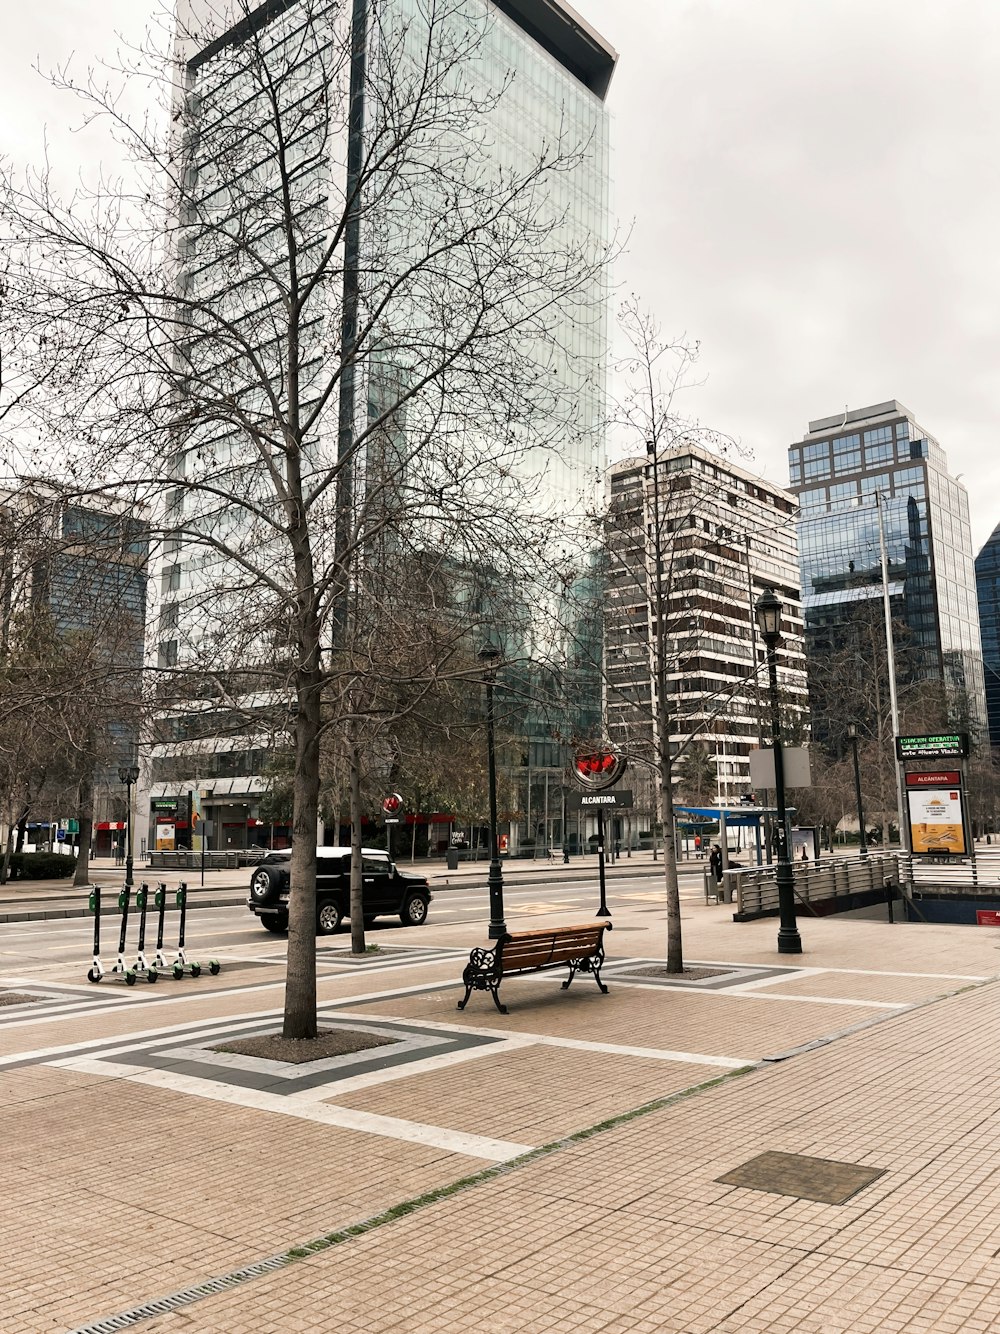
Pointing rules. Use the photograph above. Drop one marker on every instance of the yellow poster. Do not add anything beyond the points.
(936, 827)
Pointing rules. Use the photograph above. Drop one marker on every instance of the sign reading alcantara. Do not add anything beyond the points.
(932, 747)
(582, 800)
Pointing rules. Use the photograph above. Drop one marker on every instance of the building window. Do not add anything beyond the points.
(849, 461)
(844, 491)
(878, 453)
(878, 435)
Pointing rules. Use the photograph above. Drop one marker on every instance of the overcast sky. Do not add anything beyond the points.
(813, 189)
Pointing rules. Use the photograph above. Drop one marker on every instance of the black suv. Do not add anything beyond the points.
(385, 889)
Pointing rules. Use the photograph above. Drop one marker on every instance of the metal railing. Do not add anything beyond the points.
(192, 861)
(756, 891)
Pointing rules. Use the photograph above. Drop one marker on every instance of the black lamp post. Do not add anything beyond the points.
(852, 732)
(489, 656)
(768, 616)
(129, 775)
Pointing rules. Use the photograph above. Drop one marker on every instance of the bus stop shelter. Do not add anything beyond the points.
(757, 818)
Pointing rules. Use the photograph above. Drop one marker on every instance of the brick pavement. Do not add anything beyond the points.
(128, 1177)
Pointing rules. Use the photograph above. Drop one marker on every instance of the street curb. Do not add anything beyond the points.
(49, 914)
(237, 896)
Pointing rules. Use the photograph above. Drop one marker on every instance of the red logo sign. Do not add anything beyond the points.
(987, 917)
(392, 804)
(598, 769)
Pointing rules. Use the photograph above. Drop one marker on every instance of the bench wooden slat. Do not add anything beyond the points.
(580, 947)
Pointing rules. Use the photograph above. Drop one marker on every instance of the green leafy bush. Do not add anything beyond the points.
(41, 866)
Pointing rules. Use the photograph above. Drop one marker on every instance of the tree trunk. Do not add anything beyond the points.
(18, 827)
(85, 817)
(357, 881)
(7, 852)
(675, 949)
(300, 980)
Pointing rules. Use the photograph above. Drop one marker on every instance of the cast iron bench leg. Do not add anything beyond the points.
(595, 968)
(495, 993)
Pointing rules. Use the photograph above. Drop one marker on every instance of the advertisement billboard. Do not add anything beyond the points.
(937, 828)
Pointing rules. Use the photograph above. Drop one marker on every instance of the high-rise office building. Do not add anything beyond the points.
(726, 535)
(846, 468)
(540, 75)
(988, 593)
(82, 565)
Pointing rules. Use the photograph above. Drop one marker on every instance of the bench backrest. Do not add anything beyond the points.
(559, 944)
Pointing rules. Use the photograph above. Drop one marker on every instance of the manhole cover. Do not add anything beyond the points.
(819, 1179)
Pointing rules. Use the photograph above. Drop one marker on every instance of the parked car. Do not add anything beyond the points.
(385, 889)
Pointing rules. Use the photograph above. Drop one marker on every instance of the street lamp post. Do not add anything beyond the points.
(129, 775)
(768, 616)
(852, 732)
(489, 656)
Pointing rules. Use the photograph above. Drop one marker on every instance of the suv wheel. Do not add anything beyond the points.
(275, 922)
(265, 884)
(414, 911)
(328, 918)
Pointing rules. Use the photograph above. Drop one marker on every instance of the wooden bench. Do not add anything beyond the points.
(580, 948)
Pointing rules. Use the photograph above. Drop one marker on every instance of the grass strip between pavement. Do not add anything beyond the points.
(237, 1277)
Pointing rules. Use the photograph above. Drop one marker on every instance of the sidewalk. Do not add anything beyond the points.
(567, 1166)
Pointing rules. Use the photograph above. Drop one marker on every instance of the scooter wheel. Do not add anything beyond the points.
(93, 975)
(130, 978)
(151, 974)
(196, 970)
(178, 972)
(214, 967)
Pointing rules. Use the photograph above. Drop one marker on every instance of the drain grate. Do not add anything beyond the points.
(819, 1179)
(164, 1305)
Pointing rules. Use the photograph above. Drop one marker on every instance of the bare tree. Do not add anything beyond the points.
(682, 660)
(306, 366)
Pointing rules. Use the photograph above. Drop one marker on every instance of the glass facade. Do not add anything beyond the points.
(884, 458)
(988, 594)
(537, 77)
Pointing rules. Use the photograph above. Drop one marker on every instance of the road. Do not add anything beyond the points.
(209, 930)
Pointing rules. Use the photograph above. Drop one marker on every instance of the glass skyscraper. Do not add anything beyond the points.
(841, 469)
(988, 590)
(539, 75)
